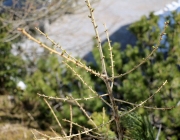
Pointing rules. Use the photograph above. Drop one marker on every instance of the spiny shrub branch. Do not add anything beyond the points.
(60, 126)
(111, 56)
(147, 107)
(81, 127)
(142, 103)
(90, 88)
(91, 16)
(148, 57)
(71, 117)
(109, 81)
(84, 111)
(62, 54)
(67, 99)
(54, 44)
(106, 80)
(104, 71)
(73, 135)
(102, 76)
(54, 132)
(40, 133)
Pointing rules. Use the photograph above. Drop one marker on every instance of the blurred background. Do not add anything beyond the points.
(27, 69)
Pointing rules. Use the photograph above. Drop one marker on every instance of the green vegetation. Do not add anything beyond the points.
(11, 68)
(51, 77)
(143, 82)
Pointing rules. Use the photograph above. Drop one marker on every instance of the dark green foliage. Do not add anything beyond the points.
(138, 127)
(11, 67)
(144, 81)
(165, 66)
(49, 76)
(105, 131)
(52, 78)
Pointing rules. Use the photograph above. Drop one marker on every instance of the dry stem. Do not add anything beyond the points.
(103, 75)
(141, 104)
(60, 126)
(147, 58)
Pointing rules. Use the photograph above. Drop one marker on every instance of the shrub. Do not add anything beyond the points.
(126, 80)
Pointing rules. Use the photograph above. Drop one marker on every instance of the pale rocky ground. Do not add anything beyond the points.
(75, 32)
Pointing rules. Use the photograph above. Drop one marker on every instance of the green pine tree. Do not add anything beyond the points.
(144, 81)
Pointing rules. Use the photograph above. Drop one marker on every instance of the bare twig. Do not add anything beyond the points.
(54, 132)
(85, 113)
(42, 134)
(147, 107)
(71, 116)
(60, 126)
(91, 10)
(109, 81)
(62, 54)
(111, 55)
(69, 99)
(84, 132)
(104, 71)
(141, 104)
(148, 57)
(90, 88)
(27, 14)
